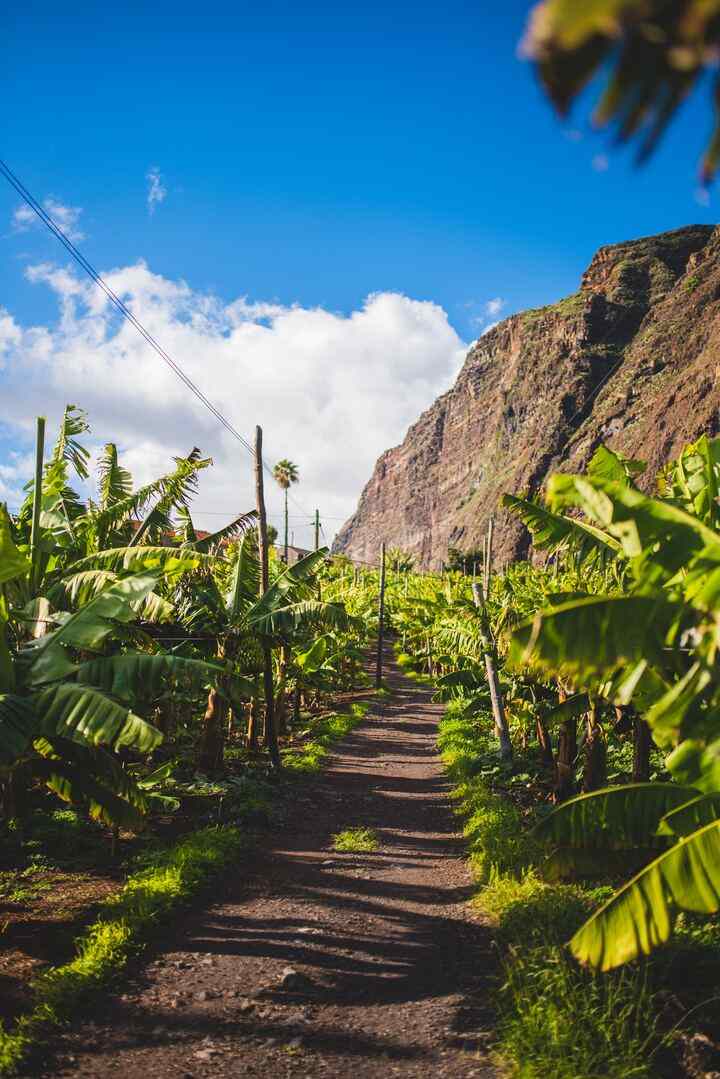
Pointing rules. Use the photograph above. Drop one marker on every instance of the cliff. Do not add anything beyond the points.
(631, 359)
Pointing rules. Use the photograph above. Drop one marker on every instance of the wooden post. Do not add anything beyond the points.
(488, 556)
(381, 620)
(37, 503)
(317, 529)
(270, 729)
(498, 709)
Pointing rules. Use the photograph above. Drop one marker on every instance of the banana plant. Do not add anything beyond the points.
(70, 687)
(238, 618)
(61, 728)
(653, 645)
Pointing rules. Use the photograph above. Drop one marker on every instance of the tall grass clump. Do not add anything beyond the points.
(554, 1018)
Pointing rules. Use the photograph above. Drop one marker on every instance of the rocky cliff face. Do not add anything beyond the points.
(632, 359)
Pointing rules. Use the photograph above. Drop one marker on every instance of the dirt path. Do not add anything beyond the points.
(391, 966)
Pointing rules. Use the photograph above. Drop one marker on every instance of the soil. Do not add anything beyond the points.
(316, 963)
(43, 929)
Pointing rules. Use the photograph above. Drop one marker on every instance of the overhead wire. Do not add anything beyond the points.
(125, 311)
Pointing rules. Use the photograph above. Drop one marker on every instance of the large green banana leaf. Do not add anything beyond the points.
(84, 714)
(615, 817)
(313, 659)
(641, 914)
(286, 620)
(74, 785)
(553, 531)
(593, 636)
(692, 815)
(77, 589)
(696, 763)
(140, 676)
(232, 530)
(88, 627)
(245, 583)
(12, 563)
(146, 559)
(679, 705)
(647, 528)
(570, 708)
(114, 482)
(18, 726)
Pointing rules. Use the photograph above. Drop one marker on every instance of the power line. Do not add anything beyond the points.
(125, 311)
(118, 303)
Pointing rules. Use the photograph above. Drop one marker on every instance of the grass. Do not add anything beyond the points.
(554, 1018)
(310, 756)
(165, 881)
(356, 840)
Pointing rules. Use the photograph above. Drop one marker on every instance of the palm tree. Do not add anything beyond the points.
(285, 473)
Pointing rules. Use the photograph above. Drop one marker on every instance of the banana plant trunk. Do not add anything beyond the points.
(566, 755)
(545, 743)
(641, 750)
(488, 647)
(252, 725)
(595, 774)
(211, 745)
(281, 695)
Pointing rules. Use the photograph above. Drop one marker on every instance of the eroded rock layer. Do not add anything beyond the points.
(631, 359)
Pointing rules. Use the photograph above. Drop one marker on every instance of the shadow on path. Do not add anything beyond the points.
(390, 963)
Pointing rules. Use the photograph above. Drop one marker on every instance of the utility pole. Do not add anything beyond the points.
(270, 730)
(317, 529)
(381, 619)
(488, 556)
(37, 503)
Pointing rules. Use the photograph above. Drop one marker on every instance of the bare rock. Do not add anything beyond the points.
(293, 981)
(631, 358)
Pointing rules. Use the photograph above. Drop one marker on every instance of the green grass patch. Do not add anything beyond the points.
(558, 1020)
(165, 880)
(554, 1018)
(309, 755)
(356, 840)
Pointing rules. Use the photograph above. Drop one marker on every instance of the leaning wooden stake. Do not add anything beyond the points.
(270, 728)
(381, 620)
(37, 503)
(498, 709)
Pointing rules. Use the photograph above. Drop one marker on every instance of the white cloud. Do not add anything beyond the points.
(157, 192)
(331, 391)
(601, 163)
(65, 217)
(494, 307)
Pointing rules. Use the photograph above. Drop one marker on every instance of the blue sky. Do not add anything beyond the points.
(315, 156)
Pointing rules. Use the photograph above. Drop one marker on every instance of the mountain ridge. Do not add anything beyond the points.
(631, 359)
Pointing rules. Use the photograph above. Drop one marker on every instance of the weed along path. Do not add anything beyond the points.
(314, 962)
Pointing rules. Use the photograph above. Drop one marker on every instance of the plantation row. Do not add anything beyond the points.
(131, 649)
(582, 733)
(150, 673)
